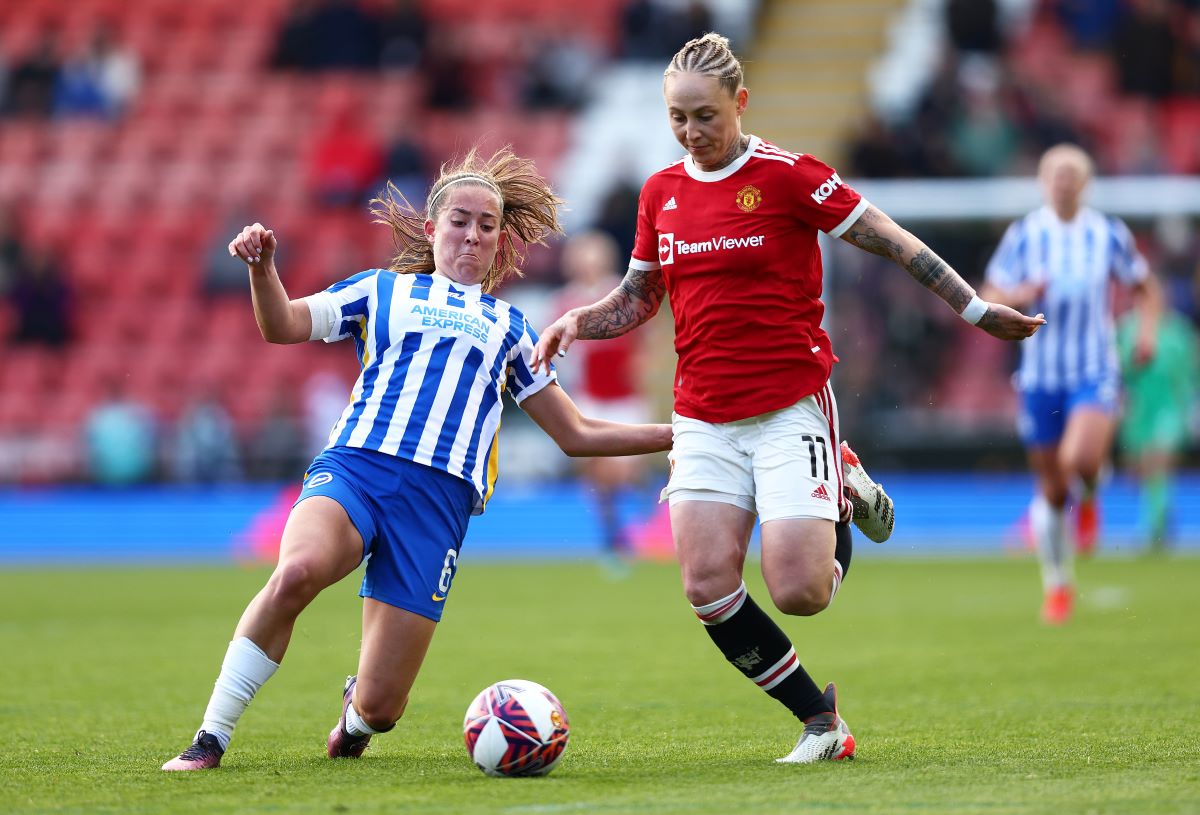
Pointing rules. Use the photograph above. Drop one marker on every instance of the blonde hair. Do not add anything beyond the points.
(529, 212)
(709, 55)
(1066, 153)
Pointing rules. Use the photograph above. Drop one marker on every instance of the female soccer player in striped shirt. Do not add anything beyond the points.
(730, 233)
(1061, 258)
(414, 454)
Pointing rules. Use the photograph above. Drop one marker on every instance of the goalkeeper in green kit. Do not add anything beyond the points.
(1159, 394)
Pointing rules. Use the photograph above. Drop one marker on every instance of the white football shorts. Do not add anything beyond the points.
(782, 464)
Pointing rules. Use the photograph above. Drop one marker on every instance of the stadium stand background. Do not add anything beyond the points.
(136, 137)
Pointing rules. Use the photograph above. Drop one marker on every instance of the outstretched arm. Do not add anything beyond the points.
(880, 235)
(626, 307)
(280, 319)
(579, 435)
(1148, 296)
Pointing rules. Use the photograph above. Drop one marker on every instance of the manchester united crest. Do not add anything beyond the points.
(748, 198)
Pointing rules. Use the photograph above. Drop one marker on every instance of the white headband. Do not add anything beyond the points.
(476, 178)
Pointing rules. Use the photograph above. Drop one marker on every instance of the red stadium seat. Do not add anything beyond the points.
(80, 139)
(147, 138)
(25, 369)
(127, 186)
(184, 184)
(23, 142)
(1086, 88)
(63, 184)
(1128, 137)
(19, 412)
(1181, 134)
(17, 181)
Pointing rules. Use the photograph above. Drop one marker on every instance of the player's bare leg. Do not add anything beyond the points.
(798, 564)
(394, 645)
(711, 539)
(1082, 453)
(319, 547)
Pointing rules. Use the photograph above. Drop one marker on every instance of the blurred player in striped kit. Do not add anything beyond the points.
(729, 232)
(414, 454)
(1060, 259)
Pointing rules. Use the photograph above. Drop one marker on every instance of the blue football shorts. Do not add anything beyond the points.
(412, 519)
(1043, 414)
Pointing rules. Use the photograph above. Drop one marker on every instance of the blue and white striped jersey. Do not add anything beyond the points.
(435, 357)
(1076, 261)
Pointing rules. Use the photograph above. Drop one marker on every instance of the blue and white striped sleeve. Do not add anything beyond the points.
(342, 310)
(1128, 264)
(523, 382)
(1007, 268)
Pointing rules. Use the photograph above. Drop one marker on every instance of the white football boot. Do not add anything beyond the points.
(826, 737)
(874, 512)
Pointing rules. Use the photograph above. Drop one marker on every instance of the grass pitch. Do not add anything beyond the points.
(961, 701)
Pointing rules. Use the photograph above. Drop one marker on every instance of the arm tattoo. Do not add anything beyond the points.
(877, 234)
(629, 305)
(865, 235)
(932, 272)
(989, 318)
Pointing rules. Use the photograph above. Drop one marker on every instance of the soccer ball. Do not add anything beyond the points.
(516, 727)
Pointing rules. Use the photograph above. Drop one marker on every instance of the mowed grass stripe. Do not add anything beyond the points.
(960, 699)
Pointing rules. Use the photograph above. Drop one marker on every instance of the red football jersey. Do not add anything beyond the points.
(738, 250)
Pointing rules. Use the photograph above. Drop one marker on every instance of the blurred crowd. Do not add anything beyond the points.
(97, 79)
(334, 98)
(1083, 71)
(117, 124)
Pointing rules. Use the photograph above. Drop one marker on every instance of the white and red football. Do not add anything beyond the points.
(516, 727)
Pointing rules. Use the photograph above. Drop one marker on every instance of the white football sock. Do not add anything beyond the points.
(1054, 549)
(355, 725)
(243, 672)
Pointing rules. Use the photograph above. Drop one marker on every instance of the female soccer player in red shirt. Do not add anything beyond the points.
(730, 234)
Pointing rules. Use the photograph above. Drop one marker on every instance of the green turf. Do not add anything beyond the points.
(960, 700)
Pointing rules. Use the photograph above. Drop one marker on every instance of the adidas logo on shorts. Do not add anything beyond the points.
(821, 492)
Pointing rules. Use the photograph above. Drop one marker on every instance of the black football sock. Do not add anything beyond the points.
(843, 548)
(757, 647)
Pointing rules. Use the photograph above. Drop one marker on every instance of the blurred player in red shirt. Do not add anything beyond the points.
(605, 379)
(730, 234)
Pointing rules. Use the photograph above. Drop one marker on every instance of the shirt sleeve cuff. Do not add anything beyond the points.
(854, 215)
(323, 313)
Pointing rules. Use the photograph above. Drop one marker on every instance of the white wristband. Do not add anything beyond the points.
(975, 310)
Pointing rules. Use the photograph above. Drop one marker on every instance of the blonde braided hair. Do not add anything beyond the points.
(709, 55)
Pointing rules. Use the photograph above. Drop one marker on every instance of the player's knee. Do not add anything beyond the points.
(802, 599)
(704, 587)
(1055, 494)
(1083, 464)
(294, 583)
